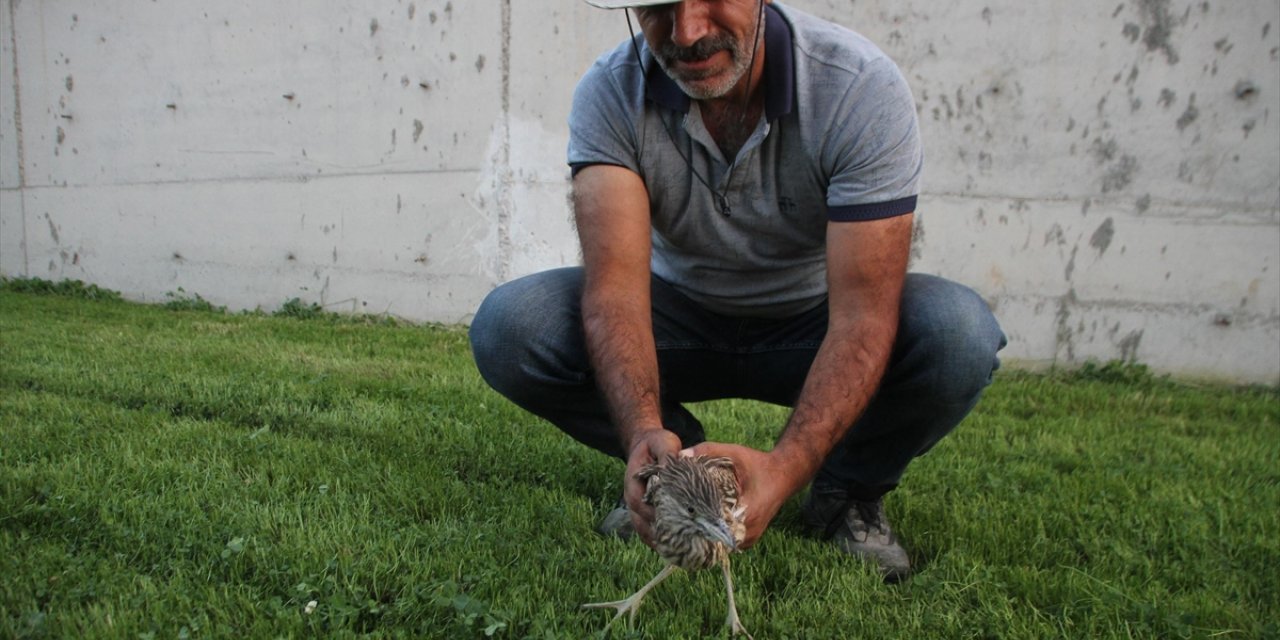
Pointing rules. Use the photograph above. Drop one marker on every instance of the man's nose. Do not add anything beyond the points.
(690, 22)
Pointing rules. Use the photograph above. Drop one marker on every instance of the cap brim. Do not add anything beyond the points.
(625, 4)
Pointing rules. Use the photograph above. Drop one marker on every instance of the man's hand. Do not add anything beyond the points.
(763, 484)
(648, 447)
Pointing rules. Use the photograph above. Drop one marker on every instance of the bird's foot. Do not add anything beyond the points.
(632, 604)
(735, 626)
(732, 621)
(629, 607)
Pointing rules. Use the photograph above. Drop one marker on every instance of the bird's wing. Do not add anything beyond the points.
(649, 475)
(721, 470)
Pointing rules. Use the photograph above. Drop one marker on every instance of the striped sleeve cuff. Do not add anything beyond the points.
(872, 211)
(575, 167)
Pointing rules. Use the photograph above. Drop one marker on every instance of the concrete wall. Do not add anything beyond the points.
(1107, 175)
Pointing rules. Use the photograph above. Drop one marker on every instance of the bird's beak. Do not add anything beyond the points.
(719, 532)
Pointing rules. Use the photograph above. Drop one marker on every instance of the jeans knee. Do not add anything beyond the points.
(523, 330)
(488, 333)
(950, 336)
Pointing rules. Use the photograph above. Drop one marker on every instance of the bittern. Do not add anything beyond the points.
(697, 522)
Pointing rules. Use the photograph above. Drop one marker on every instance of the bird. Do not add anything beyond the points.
(697, 523)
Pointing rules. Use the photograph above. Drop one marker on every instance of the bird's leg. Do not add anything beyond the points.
(733, 622)
(632, 604)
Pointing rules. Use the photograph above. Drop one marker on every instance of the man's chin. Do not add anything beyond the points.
(704, 88)
(704, 92)
(708, 82)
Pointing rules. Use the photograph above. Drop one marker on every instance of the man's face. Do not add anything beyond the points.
(705, 46)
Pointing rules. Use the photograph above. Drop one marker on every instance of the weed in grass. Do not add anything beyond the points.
(299, 310)
(180, 300)
(1113, 371)
(209, 475)
(67, 288)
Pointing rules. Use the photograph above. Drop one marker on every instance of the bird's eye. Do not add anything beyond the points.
(691, 511)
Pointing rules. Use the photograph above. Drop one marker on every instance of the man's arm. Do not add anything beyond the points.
(866, 266)
(611, 209)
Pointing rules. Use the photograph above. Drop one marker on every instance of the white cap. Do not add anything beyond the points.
(625, 4)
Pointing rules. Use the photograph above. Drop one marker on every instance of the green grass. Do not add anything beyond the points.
(181, 472)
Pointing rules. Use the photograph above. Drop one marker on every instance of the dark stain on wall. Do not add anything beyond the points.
(1120, 167)
(1102, 236)
(1159, 24)
(1189, 115)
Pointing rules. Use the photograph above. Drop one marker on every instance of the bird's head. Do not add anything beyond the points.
(718, 531)
(694, 515)
(694, 503)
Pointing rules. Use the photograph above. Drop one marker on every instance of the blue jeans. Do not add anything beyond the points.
(528, 345)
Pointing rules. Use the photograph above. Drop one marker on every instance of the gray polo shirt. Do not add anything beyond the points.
(838, 141)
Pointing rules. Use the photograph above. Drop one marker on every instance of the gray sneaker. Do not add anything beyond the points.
(617, 523)
(857, 528)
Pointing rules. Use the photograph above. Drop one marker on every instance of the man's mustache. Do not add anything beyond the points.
(700, 50)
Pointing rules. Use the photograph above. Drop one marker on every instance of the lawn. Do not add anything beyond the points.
(180, 472)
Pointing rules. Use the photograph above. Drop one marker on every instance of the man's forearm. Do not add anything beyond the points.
(611, 208)
(866, 268)
(619, 338)
(841, 382)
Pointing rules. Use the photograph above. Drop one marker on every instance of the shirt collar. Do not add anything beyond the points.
(778, 78)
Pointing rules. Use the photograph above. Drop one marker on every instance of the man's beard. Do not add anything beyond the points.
(739, 57)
